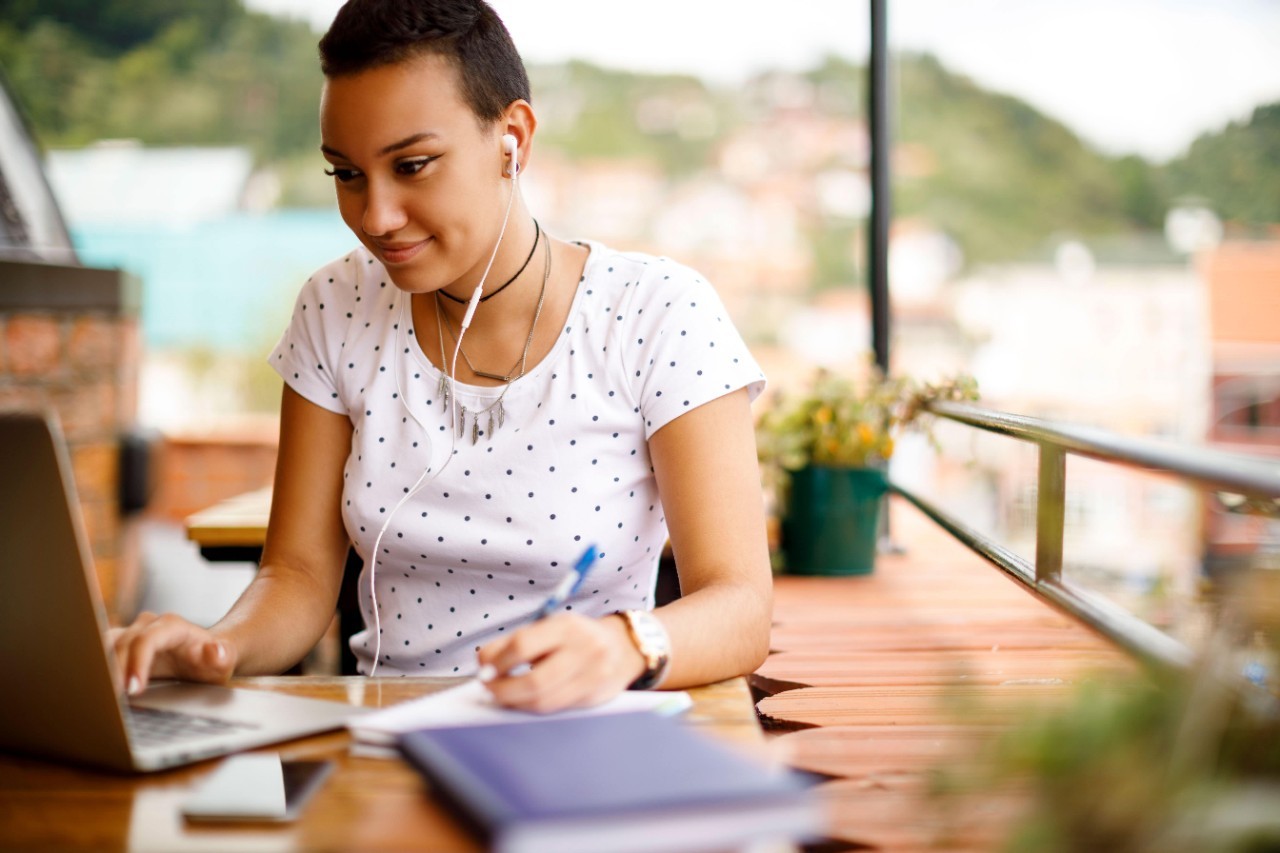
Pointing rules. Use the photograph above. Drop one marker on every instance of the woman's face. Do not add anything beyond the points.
(420, 183)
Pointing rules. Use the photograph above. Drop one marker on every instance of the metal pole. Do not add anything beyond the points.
(881, 194)
(877, 242)
(881, 202)
(1051, 504)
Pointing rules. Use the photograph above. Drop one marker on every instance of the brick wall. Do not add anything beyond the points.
(197, 470)
(69, 342)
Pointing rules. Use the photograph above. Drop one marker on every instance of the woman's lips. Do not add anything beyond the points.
(399, 253)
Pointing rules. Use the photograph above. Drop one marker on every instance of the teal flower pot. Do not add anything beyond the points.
(832, 521)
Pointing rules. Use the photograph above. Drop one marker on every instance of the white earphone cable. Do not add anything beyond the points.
(453, 421)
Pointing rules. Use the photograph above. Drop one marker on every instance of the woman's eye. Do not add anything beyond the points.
(414, 166)
(343, 175)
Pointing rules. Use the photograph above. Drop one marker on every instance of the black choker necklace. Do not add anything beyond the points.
(537, 233)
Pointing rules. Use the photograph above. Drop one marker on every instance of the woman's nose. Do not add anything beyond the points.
(383, 212)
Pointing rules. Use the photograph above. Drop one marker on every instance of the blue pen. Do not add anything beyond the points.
(572, 583)
(564, 590)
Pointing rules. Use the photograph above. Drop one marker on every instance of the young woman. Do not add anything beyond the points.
(473, 403)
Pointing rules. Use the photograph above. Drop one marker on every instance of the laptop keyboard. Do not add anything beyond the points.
(153, 726)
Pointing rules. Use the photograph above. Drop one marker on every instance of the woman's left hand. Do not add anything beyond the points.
(563, 661)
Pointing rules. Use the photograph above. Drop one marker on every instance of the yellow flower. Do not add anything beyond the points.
(848, 420)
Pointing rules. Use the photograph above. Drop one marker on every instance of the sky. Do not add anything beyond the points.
(1130, 76)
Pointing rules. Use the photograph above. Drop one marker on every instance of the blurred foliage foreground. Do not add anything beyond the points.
(1173, 764)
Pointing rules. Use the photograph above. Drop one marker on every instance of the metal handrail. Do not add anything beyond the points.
(1246, 474)
(1250, 476)
(1145, 642)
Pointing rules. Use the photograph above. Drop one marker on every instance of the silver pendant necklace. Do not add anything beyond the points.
(495, 412)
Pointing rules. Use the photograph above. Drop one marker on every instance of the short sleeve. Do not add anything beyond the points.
(682, 348)
(303, 357)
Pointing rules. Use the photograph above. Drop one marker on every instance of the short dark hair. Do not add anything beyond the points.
(368, 34)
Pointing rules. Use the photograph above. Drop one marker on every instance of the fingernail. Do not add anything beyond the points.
(135, 686)
(219, 652)
(487, 672)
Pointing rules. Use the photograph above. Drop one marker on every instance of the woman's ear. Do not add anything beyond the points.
(520, 123)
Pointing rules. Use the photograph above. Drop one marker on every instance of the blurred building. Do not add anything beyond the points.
(1119, 343)
(1243, 279)
(219, 268)
(69, 346)
(120, 182)
(194, 225)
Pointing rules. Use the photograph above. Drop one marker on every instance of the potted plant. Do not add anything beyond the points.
(823, 452)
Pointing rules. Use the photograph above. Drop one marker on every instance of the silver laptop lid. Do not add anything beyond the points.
(61, 701)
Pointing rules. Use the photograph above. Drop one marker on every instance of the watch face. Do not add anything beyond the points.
(651, 633)
(651, 640)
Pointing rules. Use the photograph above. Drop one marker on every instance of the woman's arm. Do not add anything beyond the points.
(291, 601)
(709, 482)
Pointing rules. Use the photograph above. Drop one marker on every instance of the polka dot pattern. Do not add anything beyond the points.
(476, 550)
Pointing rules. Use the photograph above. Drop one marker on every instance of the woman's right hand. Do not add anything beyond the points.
(168, 646)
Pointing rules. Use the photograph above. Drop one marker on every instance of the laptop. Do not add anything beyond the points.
(61, 702)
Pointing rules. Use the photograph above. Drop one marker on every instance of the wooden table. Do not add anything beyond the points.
(232, 529)
(888, 683)
(366, 804)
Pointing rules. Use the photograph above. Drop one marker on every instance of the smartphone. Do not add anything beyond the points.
(246, 789)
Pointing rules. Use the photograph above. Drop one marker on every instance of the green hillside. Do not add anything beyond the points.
(182, 72)
(1236, 169)
(1004, 179)
(587, 111)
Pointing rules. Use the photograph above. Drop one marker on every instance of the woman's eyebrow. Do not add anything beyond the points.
(406, 142)
(395, 146)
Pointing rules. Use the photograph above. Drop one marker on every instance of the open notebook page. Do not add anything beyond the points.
(470, 703)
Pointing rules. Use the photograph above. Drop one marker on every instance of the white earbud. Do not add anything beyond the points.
(511, 148)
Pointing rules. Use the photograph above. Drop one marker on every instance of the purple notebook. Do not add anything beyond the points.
(634, 782)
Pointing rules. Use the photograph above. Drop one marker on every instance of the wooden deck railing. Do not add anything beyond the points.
(1253, 478)
(881, 681)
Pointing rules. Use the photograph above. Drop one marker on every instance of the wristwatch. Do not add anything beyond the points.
(650, 639)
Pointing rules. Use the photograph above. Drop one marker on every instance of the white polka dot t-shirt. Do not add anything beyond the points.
(476, 549)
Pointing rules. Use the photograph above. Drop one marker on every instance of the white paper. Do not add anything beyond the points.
(470, 703)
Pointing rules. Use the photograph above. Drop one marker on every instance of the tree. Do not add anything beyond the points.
(115, 26)
(1237, 169)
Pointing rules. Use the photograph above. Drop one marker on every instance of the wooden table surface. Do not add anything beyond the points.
(238, 522)
(882, 682)
(366, 804)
